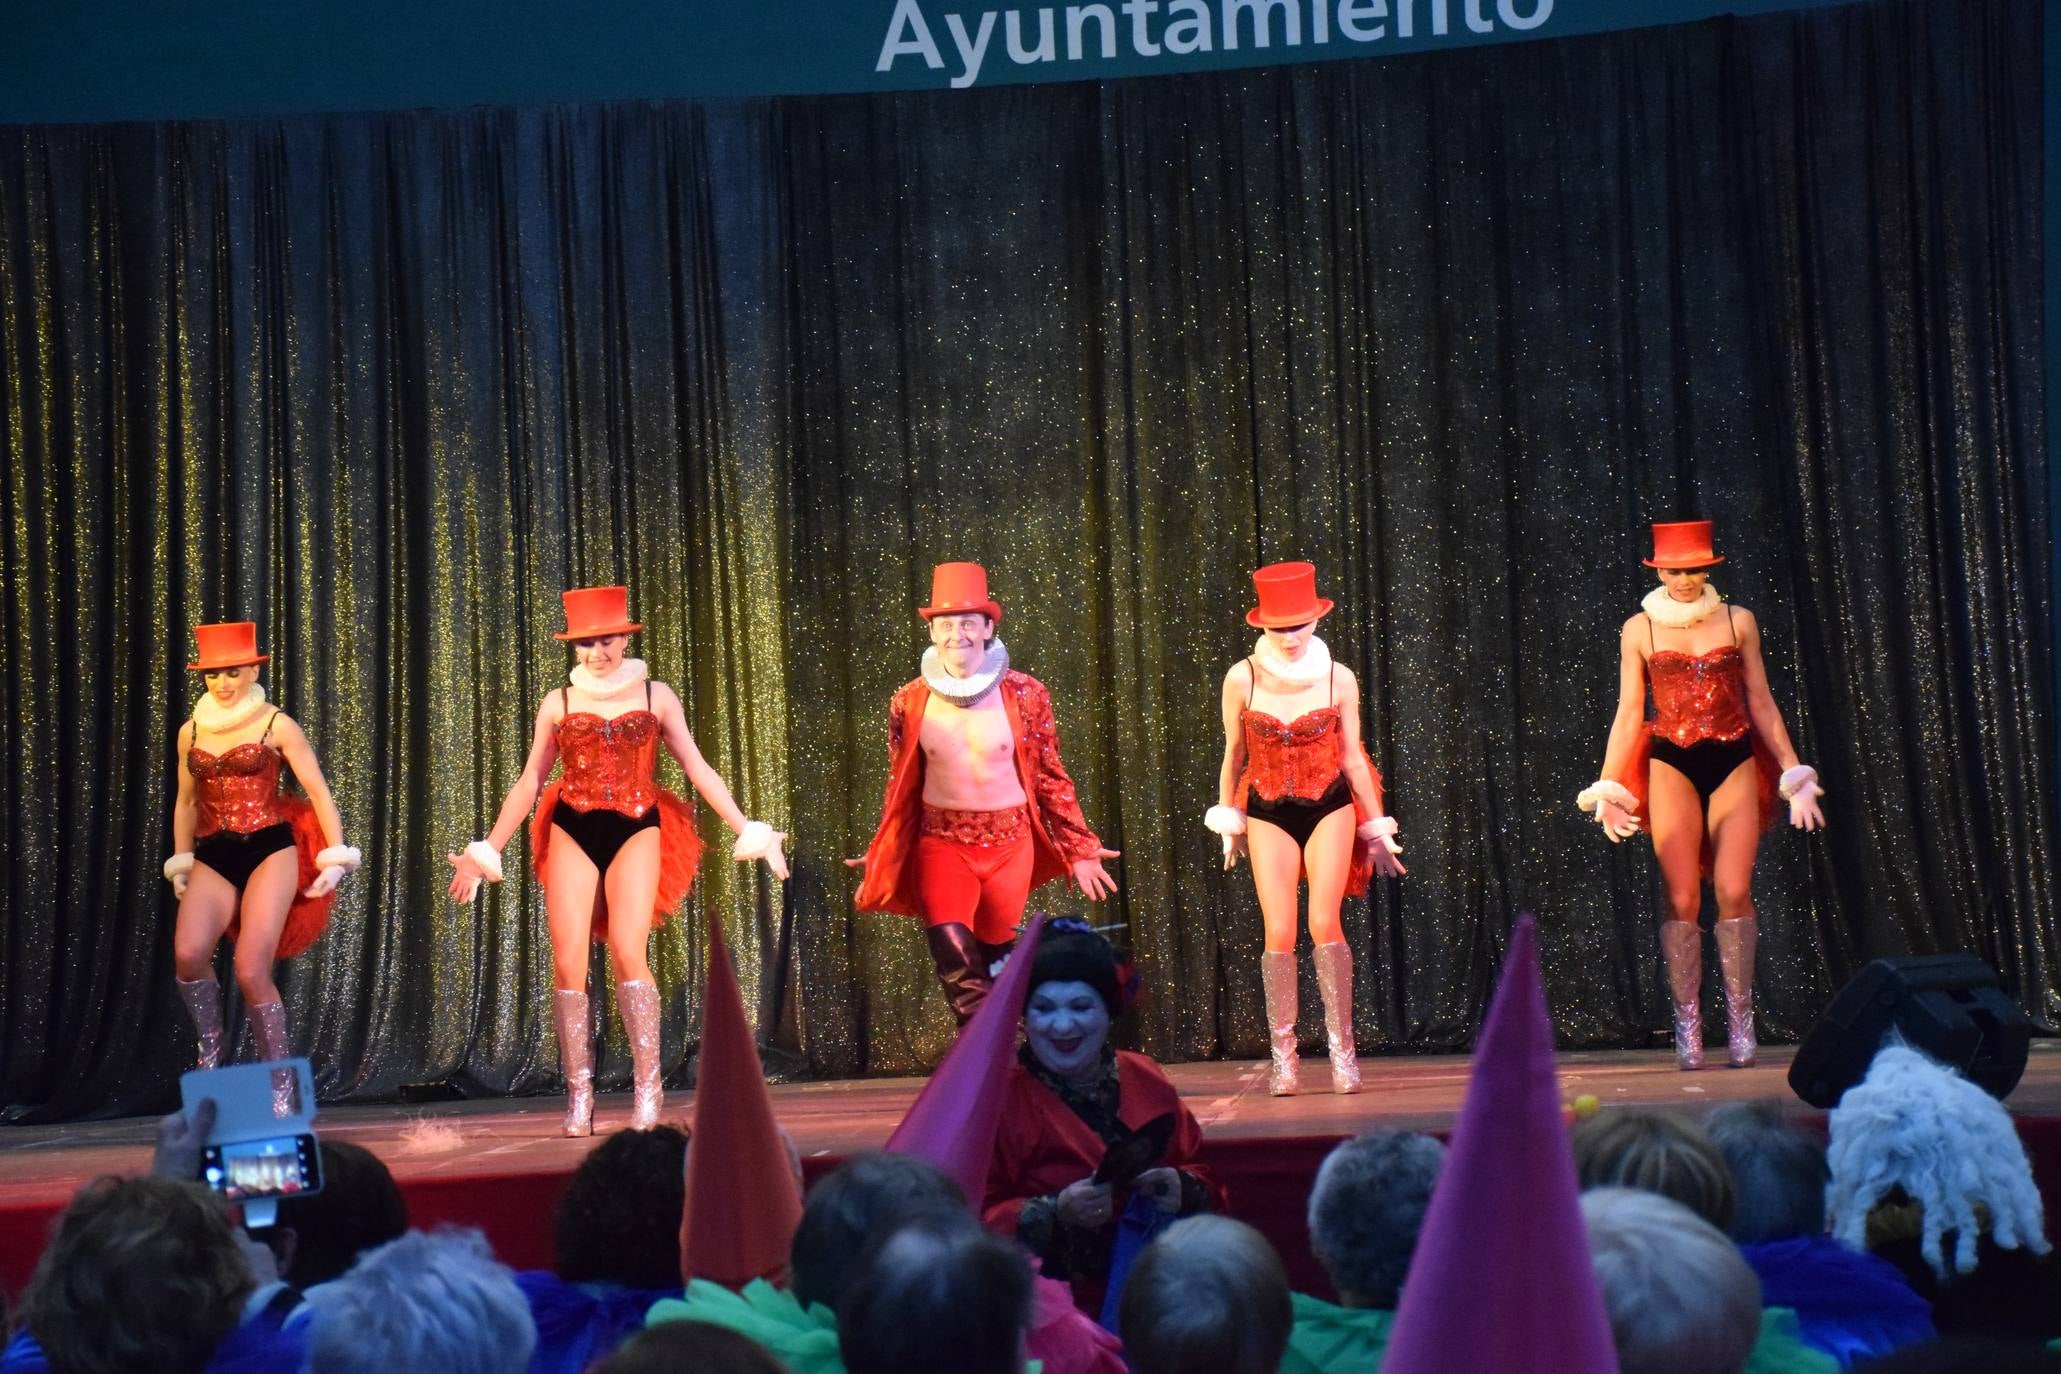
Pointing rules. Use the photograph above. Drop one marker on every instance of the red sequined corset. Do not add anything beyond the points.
(236, 791)
(610, 765)
(1297, 758)
(1698, 697)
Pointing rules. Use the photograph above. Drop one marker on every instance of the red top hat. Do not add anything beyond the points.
(231, 645)
(1683, 544)
(956, 588)
(1287, 596)
(592, 612)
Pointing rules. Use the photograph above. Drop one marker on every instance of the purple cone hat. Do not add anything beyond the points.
(1502, 1279)
(952, 1122)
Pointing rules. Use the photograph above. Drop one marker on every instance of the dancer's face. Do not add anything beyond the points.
(1066, 1024)
(226, 684)
(1684, 584)
(1291, 642)
(601, 656)
(961, 641)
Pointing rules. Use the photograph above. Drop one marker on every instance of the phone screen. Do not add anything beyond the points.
(281, 1166)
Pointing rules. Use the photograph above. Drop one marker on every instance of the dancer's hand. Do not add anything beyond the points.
(176, 870)
(1799, 786)
(479, 861)
(1380, 832)
(1612, 804)
(761, 841)
(859, 862)
(1092, 878)
(1163, 1186)
(180, 1140)
(325, 882)
(1085, 1206)
(1234, 850)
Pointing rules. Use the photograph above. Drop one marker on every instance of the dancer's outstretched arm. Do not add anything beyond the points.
(755, 839)
(482, 858)
(1611, 802)
(1799, 780)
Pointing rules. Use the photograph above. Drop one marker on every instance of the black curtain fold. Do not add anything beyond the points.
(1455, 326)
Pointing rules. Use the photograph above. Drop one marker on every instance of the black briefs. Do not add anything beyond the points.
(236, 856)
(1706, 763)
(1297, 816)
(599, 833)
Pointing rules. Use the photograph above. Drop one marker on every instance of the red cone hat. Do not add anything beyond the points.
(1501, 1279)
(952, 1122)
(743, 1202)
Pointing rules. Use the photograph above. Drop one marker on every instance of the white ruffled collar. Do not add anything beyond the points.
(218, 719)
(1313, 666)
(1680, 615)
(964, 691)
(623, 680)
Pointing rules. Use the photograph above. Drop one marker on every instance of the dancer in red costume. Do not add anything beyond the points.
(615, 851)
(1298, 794)
(1705, 770)
(979, 808)
(253, 863)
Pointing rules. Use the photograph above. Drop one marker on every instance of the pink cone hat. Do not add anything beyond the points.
(742, 1200)
(952, 1122)
(1501, 1279)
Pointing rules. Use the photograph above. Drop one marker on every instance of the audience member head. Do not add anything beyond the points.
(1917, 1129)
(1208, 1297)
(940, 1292)
(360, 1207)
(619, 1221)
(689, 1347)
(860, 1199)
(1778, 1172)
(1681, 1298)
(1366, 1208)
(142, 1274)
(431, 1301)
(1655, 1152)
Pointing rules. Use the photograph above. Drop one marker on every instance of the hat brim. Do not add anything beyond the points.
(990, 609)
(1692, 564)
(208, 665)
(1276, 622)
(598, 632)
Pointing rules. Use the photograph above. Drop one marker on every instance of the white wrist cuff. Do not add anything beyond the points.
(1796, 779)
(179, 863)
(1605, 790)
(487, 857)
(343, 856)
(755, 841)
(1225, 820)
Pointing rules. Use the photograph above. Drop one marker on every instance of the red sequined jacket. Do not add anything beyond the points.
(1059, 833)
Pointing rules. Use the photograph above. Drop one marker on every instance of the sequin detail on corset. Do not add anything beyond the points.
(610, 764)
(237, 790)
(1698, 697)
(1297, 758)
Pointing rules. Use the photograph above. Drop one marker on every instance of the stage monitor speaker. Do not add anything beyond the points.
(1947, 1006)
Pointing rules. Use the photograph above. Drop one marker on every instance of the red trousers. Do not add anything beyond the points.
(974, 869)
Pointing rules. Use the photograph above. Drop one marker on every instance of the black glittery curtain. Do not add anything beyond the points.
(1454, 326)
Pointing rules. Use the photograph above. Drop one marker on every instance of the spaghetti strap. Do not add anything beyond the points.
(647, 694)
(1652, 642)
(1251, 681)
(266, 738)
(1730, 626)
(564, 705)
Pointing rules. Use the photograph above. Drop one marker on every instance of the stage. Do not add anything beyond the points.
(500, 1165)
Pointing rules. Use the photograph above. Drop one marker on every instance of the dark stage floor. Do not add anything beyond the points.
(500, 1164)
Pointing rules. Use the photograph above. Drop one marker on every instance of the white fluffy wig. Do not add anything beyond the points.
(1916, 1125)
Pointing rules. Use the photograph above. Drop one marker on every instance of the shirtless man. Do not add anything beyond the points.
(979, 808)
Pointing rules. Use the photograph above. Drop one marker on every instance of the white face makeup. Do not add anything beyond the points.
(961, 641)
(227, 684)
(601, 656)
(1684, 584)
(1292, 640)
(1066, 1024)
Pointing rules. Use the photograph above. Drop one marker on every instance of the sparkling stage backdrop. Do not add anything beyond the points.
(1454, 326)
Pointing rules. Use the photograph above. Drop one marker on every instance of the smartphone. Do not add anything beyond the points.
(252, 1170)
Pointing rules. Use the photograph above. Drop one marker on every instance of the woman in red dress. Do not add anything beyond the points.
(1298, 793)
(1070, 1096)
(615, 851)
(1705, 771)
(252, 862)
